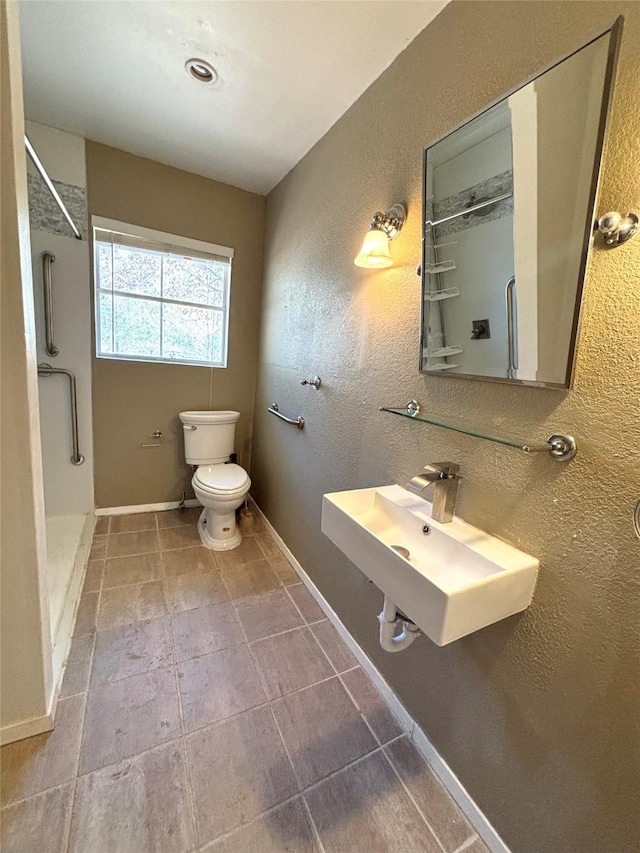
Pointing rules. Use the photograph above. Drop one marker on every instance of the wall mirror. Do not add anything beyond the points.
(508, 210)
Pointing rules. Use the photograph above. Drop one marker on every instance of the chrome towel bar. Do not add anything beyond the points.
(47, 370)
(299, 421)
(47, 259)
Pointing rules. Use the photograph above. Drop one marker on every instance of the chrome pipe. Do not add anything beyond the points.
(299, 421)
(48, 370)
(472, 209)
(54, 192)
(512, 328)
(47, 259)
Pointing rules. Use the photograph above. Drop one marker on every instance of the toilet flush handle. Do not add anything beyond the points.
(190, 426)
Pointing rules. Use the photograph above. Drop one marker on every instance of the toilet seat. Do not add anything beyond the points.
(222, 479)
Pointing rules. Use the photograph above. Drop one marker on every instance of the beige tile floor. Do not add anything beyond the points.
(209, 705)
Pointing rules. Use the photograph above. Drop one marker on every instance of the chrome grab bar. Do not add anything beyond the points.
(47, 370)
(54, 192)
(512, 328)
(299, 421)
(47, 259)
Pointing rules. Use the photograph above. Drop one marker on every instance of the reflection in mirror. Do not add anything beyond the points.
(508, 203)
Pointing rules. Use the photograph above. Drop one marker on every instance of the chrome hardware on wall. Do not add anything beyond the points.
(47, 259)
(159, 439)
(561, 447)
(480, 330)
(316, 382)
(299, 421)
(512, 328)
(636, 519)
(616, 229)
(47, 370)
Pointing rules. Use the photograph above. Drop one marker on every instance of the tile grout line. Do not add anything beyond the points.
(230, 832)
(416, 806)
(97, 770)
(214, 722)
(299, 795)
(39, 794)
(346, 689)
(304, 618)
(277, 634)
(466, 844)
(183, 738)
(275, 722)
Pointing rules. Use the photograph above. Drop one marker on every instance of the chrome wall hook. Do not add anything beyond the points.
(617, 229)
(316, 382)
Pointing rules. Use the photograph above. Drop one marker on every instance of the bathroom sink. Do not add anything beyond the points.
(456, 579)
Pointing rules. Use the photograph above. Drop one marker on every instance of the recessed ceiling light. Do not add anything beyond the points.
(201, 70)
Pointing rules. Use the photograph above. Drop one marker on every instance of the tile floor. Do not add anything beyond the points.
(209, 705)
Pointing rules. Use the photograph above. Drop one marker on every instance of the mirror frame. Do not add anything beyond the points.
(615, 34)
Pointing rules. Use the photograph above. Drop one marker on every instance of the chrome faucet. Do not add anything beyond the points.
(444, 475)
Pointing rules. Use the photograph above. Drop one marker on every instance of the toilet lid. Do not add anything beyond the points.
(222, 477)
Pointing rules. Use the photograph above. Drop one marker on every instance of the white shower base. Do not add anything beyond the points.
(68, 544)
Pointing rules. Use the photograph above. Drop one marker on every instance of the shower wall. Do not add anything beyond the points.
(68, 489)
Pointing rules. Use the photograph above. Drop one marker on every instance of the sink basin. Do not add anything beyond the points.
(456, 580)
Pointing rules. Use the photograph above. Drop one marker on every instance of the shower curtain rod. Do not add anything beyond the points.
(54, 192)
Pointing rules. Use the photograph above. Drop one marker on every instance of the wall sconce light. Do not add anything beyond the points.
(384, 227)
(617, 229)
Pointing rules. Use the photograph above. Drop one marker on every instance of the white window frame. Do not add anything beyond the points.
(182, 243)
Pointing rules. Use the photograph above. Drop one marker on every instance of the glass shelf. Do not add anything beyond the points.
(561, 447)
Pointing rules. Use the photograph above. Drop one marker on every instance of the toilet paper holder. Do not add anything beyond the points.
(159, 439)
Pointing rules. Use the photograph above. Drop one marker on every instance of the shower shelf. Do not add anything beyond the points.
(438, 295)
(437, 367)
(443, 352)
(443, 266)
(561, 447)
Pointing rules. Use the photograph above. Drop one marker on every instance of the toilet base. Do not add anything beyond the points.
(219, 532)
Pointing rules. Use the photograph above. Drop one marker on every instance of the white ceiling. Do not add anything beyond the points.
(114, 72)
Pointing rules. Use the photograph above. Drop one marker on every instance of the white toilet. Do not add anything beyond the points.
(219, 484)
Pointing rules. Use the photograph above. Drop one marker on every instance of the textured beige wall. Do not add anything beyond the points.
(537, 715)
(132, 399)
(25, 662)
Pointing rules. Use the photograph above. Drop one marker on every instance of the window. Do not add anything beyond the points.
(159, 297)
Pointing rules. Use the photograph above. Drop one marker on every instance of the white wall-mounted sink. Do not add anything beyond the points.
(457, 578)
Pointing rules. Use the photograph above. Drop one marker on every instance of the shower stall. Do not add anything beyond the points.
(62, 297)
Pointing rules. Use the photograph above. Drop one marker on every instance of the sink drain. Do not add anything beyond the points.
(404, 552)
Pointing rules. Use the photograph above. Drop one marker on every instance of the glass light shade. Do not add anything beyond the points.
(374, 253)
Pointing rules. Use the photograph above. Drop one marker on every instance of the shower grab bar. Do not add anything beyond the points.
(47, 259)
(47, 370)
(430, 224)
(512, 328)
(54, 192)
(299, 421)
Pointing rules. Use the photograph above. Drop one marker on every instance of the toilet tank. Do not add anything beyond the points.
(209, 437)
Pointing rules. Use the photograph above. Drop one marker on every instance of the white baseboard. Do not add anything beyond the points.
(129, 510)
(474, 815)
(26, 728)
